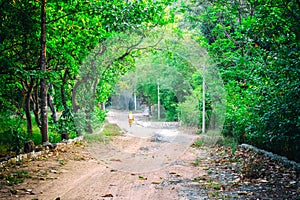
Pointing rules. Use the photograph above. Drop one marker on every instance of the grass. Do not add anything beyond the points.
(214, 185)
(8, 143)
(213, 138)
(111, 129)
(228, 142)
(198, 143)
(104, 135)
(14, 178)
(54, 136)
(206, 141)
(197, 161)
(61, 162)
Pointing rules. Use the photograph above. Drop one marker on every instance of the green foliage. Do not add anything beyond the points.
(65, 124)
(36, 138)
(197, 161)
(198, 143)
(170, 102)
(12, 136)
(54, 137)
(189, 112)
(256, 47)
(169, 71)
(100, 115)
(74, 29)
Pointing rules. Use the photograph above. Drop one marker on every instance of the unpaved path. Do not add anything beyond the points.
(145, 147)
(149, 161)
(132, 166)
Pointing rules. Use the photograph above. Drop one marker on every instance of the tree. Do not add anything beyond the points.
(258, 64)
(43, 87)
(113, 56)
(73, 31)
(18, 56)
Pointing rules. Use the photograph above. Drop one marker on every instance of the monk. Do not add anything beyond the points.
(130, 118)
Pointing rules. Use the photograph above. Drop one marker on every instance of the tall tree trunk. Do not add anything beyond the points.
(75, 106)
(88, 118)
(28, 116)
(35, 101)
(90, 109)
(43, 86)
(50, 99)
(74, 94)
(27, 108)
(51, 106)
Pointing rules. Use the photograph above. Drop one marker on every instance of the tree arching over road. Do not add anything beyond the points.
(69, 31)
(254, 45)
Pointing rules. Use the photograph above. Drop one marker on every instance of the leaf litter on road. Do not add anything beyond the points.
(242, 175)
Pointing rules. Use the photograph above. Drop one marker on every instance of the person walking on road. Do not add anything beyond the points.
(130, 118)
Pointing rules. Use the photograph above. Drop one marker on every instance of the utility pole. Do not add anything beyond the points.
(203, 100)
(158, 102)
(134, 99)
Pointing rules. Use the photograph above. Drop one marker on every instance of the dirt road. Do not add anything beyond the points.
(149, 161)
(136, 165)
(145, 147)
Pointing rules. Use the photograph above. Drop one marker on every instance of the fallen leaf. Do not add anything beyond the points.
(115, 159)
(142, 178)
(174, 181)
(155, 182)
(199, 179)
(288, 186)
(108, 195)
(242, 192)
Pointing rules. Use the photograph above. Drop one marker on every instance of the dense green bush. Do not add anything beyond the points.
(12, 135)
(189, 113)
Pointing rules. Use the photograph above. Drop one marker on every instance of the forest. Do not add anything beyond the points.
(61, 60)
